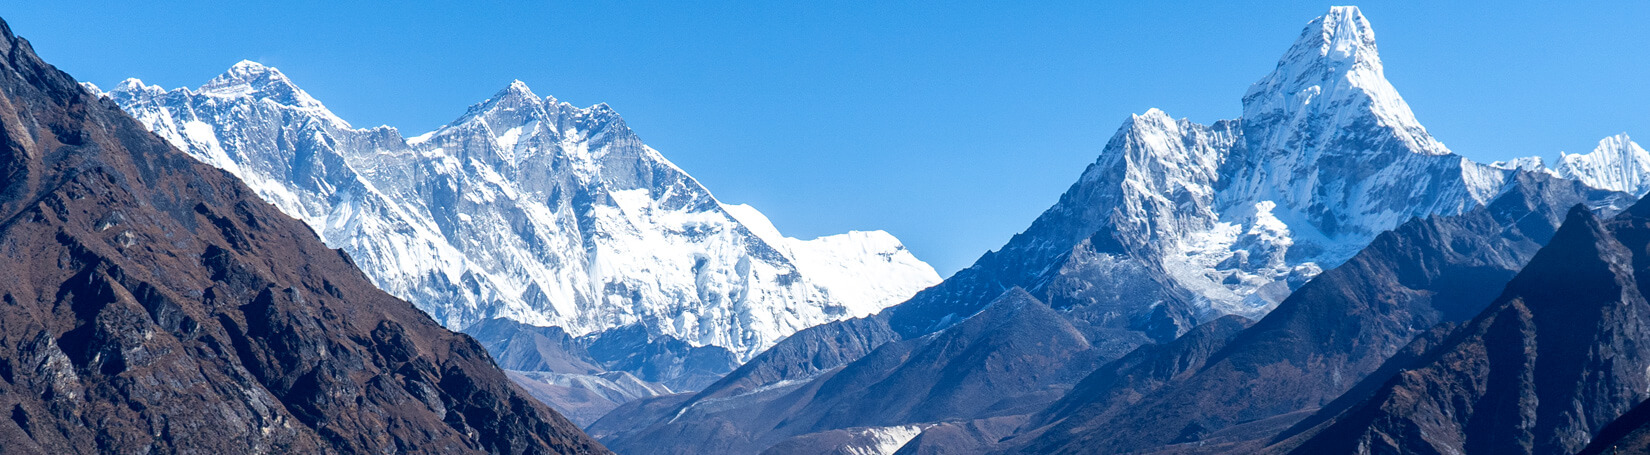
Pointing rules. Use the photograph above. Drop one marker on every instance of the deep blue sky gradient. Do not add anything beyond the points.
(951, 125)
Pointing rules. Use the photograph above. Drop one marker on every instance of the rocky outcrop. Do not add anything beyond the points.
(1561, 354)
(155, 304)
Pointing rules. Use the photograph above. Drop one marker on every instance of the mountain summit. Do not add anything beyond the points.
(1229, 218)
(531, 209)
(1617, 164)
(252, 79)
(1333, 68)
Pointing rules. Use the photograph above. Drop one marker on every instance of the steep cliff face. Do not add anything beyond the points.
(156, 304)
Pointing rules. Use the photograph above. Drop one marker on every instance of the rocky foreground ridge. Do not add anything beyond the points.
(153, 303)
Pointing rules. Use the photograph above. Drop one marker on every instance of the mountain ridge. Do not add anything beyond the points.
(591, 260)
(1173, 225)
(1554, 360)
(158, 305)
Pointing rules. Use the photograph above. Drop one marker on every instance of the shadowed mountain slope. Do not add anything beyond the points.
(585, 377)
(153, 303)
(1560, 355)
(1012, 358)
(1336, 329)
(1628, 435)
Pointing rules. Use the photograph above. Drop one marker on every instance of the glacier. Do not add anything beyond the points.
(531, 209)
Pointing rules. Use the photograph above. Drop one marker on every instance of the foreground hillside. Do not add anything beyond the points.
(154, 304)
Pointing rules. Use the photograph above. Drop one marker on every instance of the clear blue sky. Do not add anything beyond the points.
(950, 125)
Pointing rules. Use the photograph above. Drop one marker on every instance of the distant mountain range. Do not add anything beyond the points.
(1227, 281)
(530, 209)
(1317, 276)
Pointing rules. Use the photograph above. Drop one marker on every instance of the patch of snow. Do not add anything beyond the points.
(881, 440)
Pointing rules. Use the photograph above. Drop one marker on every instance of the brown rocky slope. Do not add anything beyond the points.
(1559, 356)
(150, 303)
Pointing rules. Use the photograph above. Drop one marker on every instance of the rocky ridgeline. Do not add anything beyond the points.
(156, 304)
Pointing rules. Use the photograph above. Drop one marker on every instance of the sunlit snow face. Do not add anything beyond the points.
(532, 209)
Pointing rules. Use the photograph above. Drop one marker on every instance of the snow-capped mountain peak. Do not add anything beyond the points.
(1326, 156)
(1348, 36)
(1332, 68)
(1153, 119)
(517, 86)
(1341, 41)
(133, 85)
(1617, 164)
(248, 72)
(531, 209)
(1528, 163)
(1333, 132)
(514, 98)
(252, 79)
